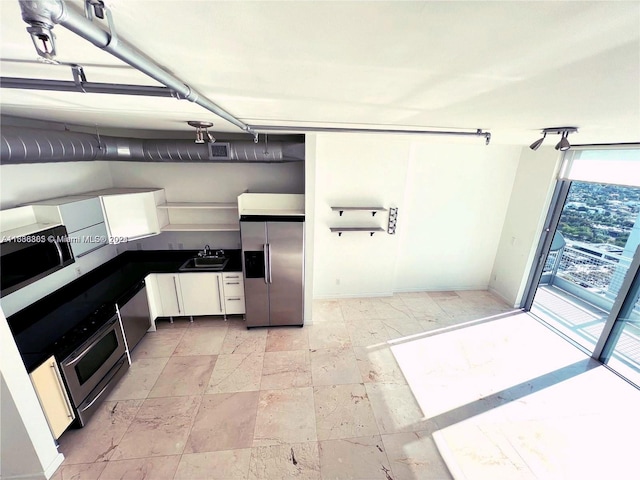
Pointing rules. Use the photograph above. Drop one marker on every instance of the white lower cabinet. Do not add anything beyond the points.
(190, 294)
(169, 295)
(233, 293)
(202, 293)
(53, 397)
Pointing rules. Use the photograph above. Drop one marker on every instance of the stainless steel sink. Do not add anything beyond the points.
(214, 264)
(210, 261)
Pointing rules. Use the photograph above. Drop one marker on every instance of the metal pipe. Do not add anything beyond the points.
(277, 128)
(56, 11)
(44, 13)
(85, 87)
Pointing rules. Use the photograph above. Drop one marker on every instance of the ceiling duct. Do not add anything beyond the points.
(30, 145)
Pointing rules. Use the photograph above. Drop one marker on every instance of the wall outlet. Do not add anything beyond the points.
(337, 281)
(181, 246)
(78, 271)
(139, 246)
(171, 246)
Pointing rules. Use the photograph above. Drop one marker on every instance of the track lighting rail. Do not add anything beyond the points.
(44, 14)
(563, 145)
(278, 128)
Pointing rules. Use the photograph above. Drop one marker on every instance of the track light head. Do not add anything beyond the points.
(563, 145)
(535, 145)
(202, 135)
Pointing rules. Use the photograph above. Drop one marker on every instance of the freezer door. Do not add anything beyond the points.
(285, 272)
(256, 290)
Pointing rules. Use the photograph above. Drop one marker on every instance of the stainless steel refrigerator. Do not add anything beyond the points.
(273, 267)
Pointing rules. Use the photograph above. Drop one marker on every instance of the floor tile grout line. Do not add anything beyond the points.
(352, 346)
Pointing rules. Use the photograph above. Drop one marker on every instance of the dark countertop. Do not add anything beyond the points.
(39, 327)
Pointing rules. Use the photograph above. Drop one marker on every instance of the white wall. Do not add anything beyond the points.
(452, 200)
(528, 206)
(455, 202)
(213, 182)
(356, 170)
(31, 182)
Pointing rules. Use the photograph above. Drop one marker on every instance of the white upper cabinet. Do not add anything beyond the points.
(199, 217)
(131, 213)
(82, 216)
(287, 204)
(124, 213)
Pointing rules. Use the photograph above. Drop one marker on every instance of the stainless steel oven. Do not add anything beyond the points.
(93, 368)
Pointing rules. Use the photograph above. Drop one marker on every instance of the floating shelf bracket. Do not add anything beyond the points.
(370, 230)
(373, 210)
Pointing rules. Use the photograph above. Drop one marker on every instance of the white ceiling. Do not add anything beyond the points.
(508, 67)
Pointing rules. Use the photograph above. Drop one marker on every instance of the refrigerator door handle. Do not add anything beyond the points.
(265, 254)
(269, 250)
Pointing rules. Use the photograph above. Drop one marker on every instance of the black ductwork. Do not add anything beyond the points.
(30, 145)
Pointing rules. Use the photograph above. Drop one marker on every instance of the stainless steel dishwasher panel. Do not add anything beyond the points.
(135, 318)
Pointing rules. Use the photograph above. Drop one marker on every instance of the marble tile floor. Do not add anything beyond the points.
(363, 393)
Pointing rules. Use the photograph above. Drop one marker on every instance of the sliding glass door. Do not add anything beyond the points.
(588, 258)
(619, 346)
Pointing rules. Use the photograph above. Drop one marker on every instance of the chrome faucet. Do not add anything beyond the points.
(206, 251)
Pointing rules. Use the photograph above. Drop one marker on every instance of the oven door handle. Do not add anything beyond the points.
(108, 384)
(103, 332)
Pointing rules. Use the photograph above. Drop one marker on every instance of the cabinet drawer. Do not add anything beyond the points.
(234, 305)
(233, 288)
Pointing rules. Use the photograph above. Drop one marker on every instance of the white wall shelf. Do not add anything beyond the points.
(201, 227)
(269, 211)
(373, 210)
(271, 204)
(341, 230)
(200, 216)
(206, 205)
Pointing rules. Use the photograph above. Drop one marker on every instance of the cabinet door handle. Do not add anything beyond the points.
(219, 295)
(92, 250)
(175, 287)
(232, 283)
(67, 405)
(232, 276)
(238, 299)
